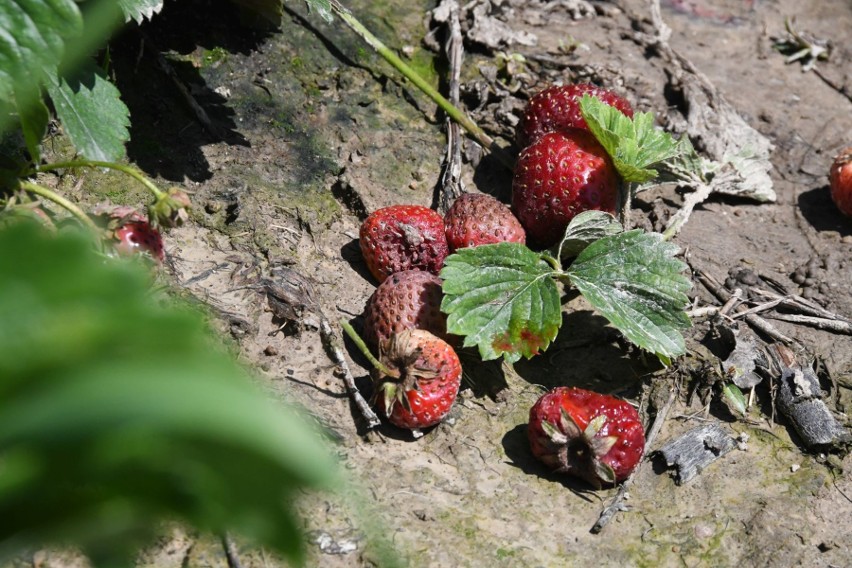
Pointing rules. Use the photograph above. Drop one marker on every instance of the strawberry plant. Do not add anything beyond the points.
(505, 298)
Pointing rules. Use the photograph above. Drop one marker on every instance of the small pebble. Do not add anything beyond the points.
(795, 467)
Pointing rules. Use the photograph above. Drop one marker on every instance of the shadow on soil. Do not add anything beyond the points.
(166, 136)
(821, 212)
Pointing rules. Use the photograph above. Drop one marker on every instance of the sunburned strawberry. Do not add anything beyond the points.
(557, 177)
(840, 179)
(406, 300)
(596, 437)
(139, 237)
(424, 375)
(403, 237)
(558, 107)
(479, 219)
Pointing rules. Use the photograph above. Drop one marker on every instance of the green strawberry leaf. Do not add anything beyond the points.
(118, 410)
(635, 145)
(33, 39)
(321, 7)
(138, 10)
(584, 229)
(92, 113)
(633, 280)
(503, 298)
(734, 399)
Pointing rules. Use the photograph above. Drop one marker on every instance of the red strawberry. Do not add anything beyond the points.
(558, 108)
(479, 219)
(423, 380)
(593, 436)
(840, 179)
(406, 300)
(139, 237)
(402, 237)
(557, 177)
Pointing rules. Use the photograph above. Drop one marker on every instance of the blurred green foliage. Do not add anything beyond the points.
(118, 409)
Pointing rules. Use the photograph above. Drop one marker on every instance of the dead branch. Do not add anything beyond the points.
(799, 398)
(692, 452)
(450, 185)
(753, 320)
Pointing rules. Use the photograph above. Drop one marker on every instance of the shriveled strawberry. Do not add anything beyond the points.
(403, 237)
(139, 237)
(410, 299)
(593, 436)
(557, 177)
(558, 107)
(423, 380)
(479, 219)
(840, 180)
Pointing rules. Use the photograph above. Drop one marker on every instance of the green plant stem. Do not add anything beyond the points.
(452, 111)
(50, 195)
(353, 335)
(129, 170)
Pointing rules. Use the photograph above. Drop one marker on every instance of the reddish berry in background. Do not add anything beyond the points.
(840, 180)
(558, 107)
(478, 219)
(424, 380)
(403, 237)
(593, 436)
(406, 300)
(137, 237)
(557, 177)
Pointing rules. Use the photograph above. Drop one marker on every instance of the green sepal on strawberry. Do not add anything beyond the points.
(596, 437)
(403, 237)
(422, 379)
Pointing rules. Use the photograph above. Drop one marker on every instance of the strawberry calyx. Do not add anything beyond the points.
(579, 452)
(399, 355)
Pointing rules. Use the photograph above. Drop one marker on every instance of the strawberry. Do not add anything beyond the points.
(557, 177)
(479, 219)
(558, 108)
(423, 379)
(840, 180)
(410, 299)
(593, 436)
(403, 237)
(139, 237)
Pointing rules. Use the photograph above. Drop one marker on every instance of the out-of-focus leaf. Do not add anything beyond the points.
(633, 280)
(33, 116)
(33, 34)
(92, 113)
(502, 298)
(118, 410)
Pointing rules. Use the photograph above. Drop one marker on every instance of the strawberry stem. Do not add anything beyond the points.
(129, 170)
(362, 347)
(50, 195)
(452, 111)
